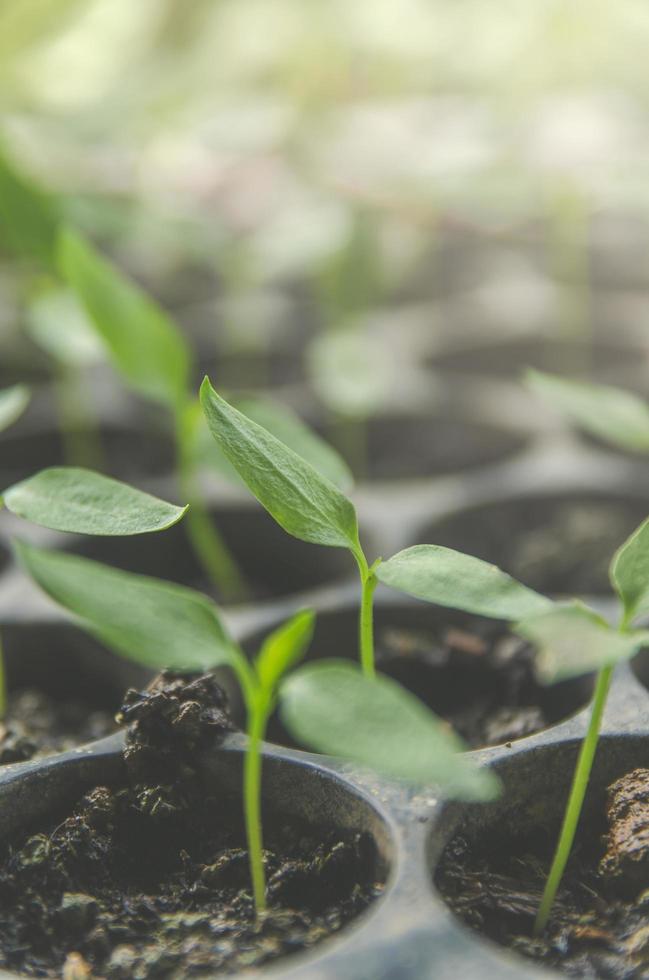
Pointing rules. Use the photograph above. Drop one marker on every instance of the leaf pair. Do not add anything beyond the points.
(572, 639)
(310, 508)
(328, 705)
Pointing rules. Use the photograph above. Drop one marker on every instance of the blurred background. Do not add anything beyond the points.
(359, 204)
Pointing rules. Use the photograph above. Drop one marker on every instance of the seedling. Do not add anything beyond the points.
(328, 705)
(612, 414)
(311, 508)
(572, 638)
(77, 500)
(144, 345)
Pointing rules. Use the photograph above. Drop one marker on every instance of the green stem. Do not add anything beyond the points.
(3, 684)
(79, 431)
(569, 238)
(576, 799)
(207, 543)
(257, 718)
(366, 624)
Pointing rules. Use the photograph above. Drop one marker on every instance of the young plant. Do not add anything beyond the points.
(311, 508)
(329, 705)
(618, 417)
(80, 501)
(573, 639)
(145, 346)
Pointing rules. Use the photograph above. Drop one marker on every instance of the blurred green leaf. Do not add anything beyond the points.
(616, 416)
(331, 707)
(152, 622)
(13, 402)
(572, 640)
(144, 344)
(303, 502)
(77, 500)
(629, 572)
(284, 648)
(28, 217)
(58, 324)
(451, 578)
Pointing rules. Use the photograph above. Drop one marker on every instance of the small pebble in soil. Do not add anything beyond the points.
(151, 880)
(599, 926)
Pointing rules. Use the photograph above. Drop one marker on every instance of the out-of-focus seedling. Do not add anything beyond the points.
(100, 310)
(618, 417)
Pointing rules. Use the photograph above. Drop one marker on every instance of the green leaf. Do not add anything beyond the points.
(286, 426)
(59, 325)
(144, 344)
(332, 707)
(303, 502)
(152, 622)
(289, 428)
(572, 640)
(612, 414)
(69, 499)
(13, 402)
(28, 217)
(284, 648)
(451, 578)
(629, 572)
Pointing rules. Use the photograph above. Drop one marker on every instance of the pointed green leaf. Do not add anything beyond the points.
(59, 325)
(629, 572)
(617, 416)
(572, 640)
(65, 498)
(303, 502)
(286, 426)
(331, 707)
(144, 344)
(289, 428)
(451, 578)
(284, 648)
(13, 402)
(152, 622)
(28, 217)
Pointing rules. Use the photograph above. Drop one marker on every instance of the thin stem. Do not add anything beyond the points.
(569, 236)
(207, 543)
(257, 718)
(79, 431)
(367, 623)
(3, 683)
(575, 800)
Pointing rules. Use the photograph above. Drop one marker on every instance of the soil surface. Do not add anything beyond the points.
(37, 725)
(600, 922)
(151, 880)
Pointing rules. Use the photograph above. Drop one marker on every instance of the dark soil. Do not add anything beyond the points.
(151, 880)
(600, 922)
(480, 680)
(37, 725)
